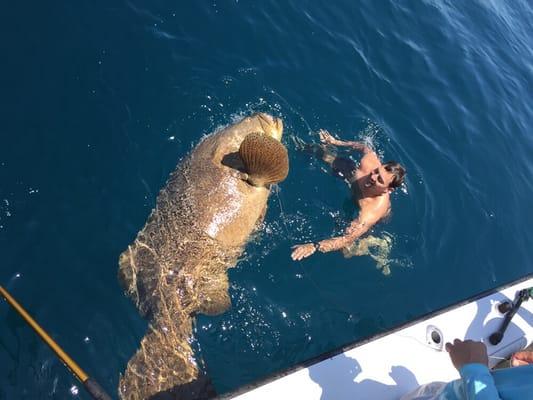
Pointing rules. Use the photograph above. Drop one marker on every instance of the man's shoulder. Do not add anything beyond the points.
(377, 206)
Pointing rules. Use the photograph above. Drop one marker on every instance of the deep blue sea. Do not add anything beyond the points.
(99, 100)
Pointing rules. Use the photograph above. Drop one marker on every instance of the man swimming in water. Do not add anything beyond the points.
(371, 184)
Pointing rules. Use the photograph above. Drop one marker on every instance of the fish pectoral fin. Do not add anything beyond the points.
(265, 159)
(213, 295)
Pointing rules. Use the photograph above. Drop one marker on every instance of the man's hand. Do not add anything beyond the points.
(302, 251)
(467, 352)
(522, 358)
(326, 137)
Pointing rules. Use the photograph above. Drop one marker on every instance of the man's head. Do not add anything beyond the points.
(397, 173)
(386, 177)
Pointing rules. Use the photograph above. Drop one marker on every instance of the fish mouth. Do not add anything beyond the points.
(272, 126)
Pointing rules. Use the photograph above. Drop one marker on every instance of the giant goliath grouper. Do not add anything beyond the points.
(176, 266)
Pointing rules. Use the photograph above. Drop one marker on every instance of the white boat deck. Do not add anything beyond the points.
(394, 364)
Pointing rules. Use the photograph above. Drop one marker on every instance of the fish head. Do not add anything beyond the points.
(271, 126)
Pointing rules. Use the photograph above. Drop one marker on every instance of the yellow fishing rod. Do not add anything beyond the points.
(94, 389)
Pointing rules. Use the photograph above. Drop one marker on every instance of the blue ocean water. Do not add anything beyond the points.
(99, 101)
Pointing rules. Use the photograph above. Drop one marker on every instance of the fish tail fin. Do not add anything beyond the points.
(164, 360)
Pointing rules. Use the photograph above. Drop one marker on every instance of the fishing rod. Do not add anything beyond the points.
(510, 309)
(94, 389)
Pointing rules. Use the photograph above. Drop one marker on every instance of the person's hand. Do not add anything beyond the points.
(302, 251)
(522, 358)
(326, 137)
(467, 352)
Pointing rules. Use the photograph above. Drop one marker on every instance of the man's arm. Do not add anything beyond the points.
(356, 229)
(327, 138)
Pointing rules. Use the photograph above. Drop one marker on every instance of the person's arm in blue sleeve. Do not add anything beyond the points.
(478, 383)
(471, 360)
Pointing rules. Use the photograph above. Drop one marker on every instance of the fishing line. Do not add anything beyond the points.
(419, 341)
(304, 273)
(282, 213)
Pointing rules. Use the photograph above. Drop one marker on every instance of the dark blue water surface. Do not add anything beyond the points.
(100, 99)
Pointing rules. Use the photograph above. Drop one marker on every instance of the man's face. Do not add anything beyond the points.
(379, 179)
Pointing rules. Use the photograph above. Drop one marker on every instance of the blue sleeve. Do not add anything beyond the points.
(478, 383)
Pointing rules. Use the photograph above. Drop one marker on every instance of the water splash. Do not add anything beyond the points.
(379, 248)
